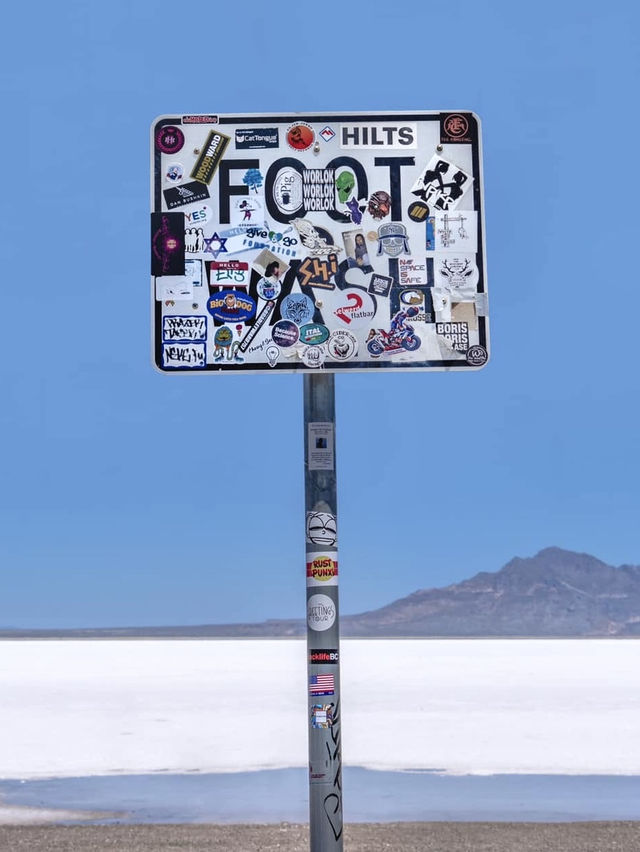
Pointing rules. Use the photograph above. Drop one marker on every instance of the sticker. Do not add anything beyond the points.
(186, 193)
(400, 338)
(314, 356)
(167, 244)
(458, 274)
(285, 333)
(253, 179)
(199, 119)
(345, 184)
(216, 249)
(321, 719)
(209, 160)
(322, 570)
(476, 357)
(318, 273)
(287, 190)
(356, 248)
(298, 308)
(454, 127)
(317, 240)
(455, 333)
(257, 137)
(184, 328)
(455, 232)
(277, 241)
(272, 270)
(247, 212)
(392, 239)
(342, 346)
(442, 184)
(379, 204)
(231, 306)
(180, 287)
(321, 612)
(223, 271)
(300, 136)
(198, 217)
(327, 133)
(412, 297)
(169, 139)
(380, 285)
(273, 353)
(412, 273)
(174, 172)
(322, 684)
(320, 441)
(321, 527)
(268, 288)
(177, 355)
(325, 657)
(379, 135)
(355, 308)
(441, 304)
(313, 334)
(193, 240)
(260, 320)
(355, 211)
(418, 211)
(319, 190)
(225, 345)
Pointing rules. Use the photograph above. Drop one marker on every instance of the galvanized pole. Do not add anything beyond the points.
(323, 645)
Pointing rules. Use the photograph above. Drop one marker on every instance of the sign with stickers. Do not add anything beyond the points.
(298, 243)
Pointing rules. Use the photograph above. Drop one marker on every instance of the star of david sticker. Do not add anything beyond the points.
(215, 239)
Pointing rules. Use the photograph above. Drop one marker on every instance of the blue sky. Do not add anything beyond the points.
(130, 497)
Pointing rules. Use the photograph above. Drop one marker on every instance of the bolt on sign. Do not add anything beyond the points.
(299, 243)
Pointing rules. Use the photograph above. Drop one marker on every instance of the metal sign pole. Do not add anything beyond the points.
(323, 646)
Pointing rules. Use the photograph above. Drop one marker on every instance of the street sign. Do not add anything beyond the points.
(301, 243)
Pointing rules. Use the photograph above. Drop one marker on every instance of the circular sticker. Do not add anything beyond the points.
(174, 172)
(287, 190)
(456, 125)
(300, 136)
(298, 308)
(169, 139)
(285, 333)
(321, 612)
(269, 288)
(313, 334)
(418, 211)
(477, 356)
(314, 356)
(342, 345)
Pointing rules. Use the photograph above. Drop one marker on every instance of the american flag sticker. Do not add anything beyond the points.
(322, 684)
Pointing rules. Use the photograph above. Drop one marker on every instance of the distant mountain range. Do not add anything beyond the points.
(554, 593)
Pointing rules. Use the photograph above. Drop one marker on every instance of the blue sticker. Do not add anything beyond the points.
(298, 308)
(313, 334)
(231, 306)
(285, 333)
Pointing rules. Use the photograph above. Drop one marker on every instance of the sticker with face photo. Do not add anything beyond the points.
(272, 270)
(442, 184)
(356, 248)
